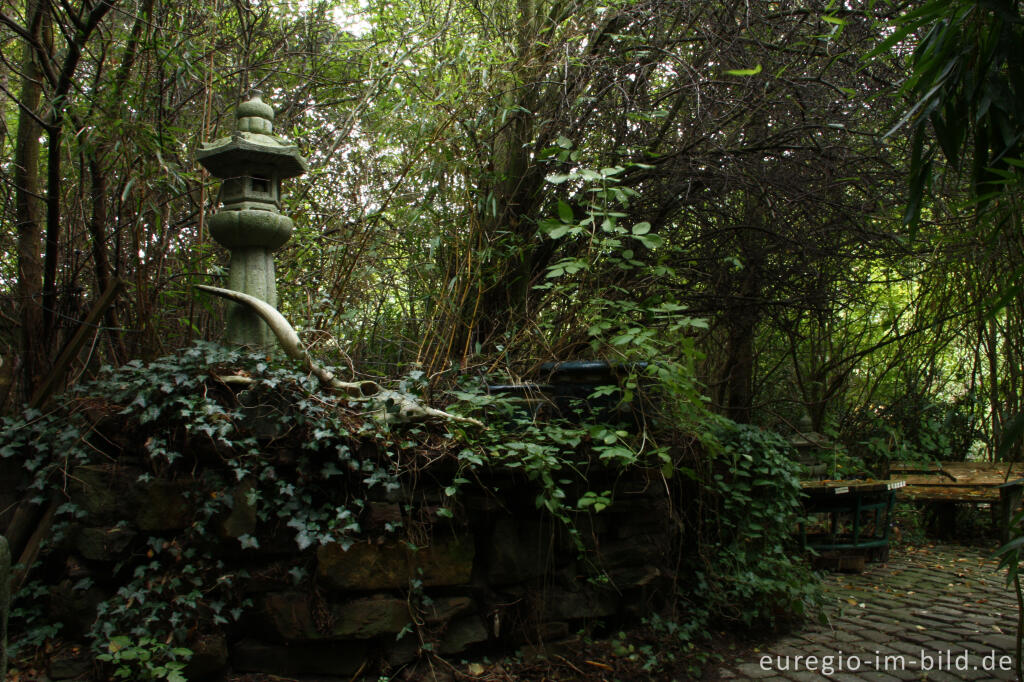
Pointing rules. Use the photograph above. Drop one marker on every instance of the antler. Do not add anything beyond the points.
(408, 409)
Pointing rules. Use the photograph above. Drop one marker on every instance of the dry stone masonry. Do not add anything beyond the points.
(498, 574)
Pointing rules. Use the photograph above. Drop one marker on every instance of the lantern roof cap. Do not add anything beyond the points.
(251, 145)
(807, 437)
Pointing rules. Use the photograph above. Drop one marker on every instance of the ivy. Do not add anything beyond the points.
(755, 497)
(242, 429)
(272, 434)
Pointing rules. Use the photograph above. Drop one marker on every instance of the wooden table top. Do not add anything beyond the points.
(853, 486)
(959, 474)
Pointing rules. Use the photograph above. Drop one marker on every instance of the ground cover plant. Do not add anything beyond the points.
(308, 465)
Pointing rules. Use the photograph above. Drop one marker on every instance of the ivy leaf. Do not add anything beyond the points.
(248, 542)
(118, 643)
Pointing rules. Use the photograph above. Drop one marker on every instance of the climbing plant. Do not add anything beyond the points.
(261, 454)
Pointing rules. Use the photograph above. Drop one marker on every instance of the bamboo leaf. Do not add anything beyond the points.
(744, 72)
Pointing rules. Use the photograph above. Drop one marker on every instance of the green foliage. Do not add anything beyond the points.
(966, 82)
(184, 417)
(555, 452)
(29, 614)
(918, 429)
(179, 411)
(683, 639)
(1010, 558)
(146, 659)
(752, 572)
(749, 490)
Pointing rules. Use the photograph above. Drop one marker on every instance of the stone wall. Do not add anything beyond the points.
(5, 602)
(496, 575)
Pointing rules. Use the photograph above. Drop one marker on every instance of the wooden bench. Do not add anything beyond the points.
(943, 485)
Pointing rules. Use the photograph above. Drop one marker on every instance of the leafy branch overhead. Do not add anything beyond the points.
(967, 88)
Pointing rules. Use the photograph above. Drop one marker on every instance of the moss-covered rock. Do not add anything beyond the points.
(242, 518)
(209, 656)
(324, 658)
(392, 565)
(103, 544)
(164, 505)
(290, 617)
(370, 617)
(463, 633)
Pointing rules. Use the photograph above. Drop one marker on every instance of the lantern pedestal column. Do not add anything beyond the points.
(251, 236)
(252, 272)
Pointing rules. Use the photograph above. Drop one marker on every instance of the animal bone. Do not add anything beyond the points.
(402, 407)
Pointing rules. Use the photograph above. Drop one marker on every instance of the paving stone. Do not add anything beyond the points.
(916, 636)
(924, 601)
(878, 676)
(973, 675)
(883, 652)
(941, 676)
(998, 641)
(981, 648)
(875, 635)
(754, 671)
(909, 648)
(938, 617)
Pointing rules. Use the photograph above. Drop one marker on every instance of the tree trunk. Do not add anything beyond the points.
(101, 263)
(743, 313)
(739, 368)
(55, 131)
(27, 208)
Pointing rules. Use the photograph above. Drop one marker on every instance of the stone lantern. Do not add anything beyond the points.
(252, 162)
(809, 444)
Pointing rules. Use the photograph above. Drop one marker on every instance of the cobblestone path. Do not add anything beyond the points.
(929, 613)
